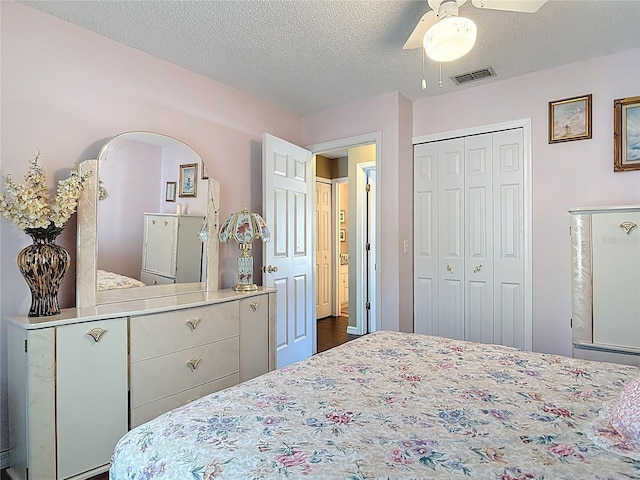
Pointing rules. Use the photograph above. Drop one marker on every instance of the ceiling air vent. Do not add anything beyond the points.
(473, 76)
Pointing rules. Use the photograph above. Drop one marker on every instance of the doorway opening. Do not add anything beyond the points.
(348, 167)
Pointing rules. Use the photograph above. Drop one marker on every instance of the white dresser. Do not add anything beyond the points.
(605, 246)
(172, 251)
(80, 380)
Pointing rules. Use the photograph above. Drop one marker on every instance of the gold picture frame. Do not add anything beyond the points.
(170, 192)
(188, 180)
(626, 134)
(570, 119)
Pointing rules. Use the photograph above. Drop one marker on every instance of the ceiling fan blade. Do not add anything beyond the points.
(426, 22)
(525, 6)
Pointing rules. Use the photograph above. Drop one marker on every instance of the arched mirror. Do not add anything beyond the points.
(147, 223)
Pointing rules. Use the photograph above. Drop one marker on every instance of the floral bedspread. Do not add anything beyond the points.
(392, 406)
(111, 281)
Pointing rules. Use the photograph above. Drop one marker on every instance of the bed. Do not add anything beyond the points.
(394, 405)
(110, 281)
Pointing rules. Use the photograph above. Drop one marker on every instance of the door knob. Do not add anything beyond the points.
(271, 268)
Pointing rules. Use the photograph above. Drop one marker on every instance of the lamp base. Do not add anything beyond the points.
(245, 288)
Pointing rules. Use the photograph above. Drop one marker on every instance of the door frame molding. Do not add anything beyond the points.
(356, 141)
(525, 124)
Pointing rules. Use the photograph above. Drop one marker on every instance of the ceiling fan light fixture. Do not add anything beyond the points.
(450, 39)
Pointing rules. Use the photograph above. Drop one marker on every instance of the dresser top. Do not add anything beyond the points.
(134, 308)
(611, 208)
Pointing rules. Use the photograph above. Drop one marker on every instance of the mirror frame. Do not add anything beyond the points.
(87, 294)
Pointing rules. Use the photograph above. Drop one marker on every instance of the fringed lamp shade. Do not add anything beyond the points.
(244, 227)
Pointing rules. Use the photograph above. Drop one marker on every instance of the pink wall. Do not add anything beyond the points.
(578, 173)
(132, 180)
(66, 90)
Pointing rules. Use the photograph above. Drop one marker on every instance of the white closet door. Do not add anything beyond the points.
(509, 262)
(451, 238)
(425, 238)
(478, 239)
(469, 224)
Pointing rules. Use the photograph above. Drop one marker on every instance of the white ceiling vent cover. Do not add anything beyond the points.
(464, 78)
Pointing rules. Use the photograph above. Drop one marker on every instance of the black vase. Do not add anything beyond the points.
(43, 265)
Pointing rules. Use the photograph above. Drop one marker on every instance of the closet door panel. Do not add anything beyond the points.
(508, 179)
(451, 238)
(509, 321)
(425, 262)
(478, 239)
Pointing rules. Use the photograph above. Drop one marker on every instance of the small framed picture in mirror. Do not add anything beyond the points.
(170, 192)
(188, 180)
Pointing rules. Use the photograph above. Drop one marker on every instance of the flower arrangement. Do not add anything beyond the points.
(29, 205)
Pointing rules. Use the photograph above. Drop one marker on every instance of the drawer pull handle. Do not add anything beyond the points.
(627, 227)
(153, 222)
(193, 363)
(254, 306)
(193, 323)
(477, 268)
(166, 223)
(449, 267)
(96, 333)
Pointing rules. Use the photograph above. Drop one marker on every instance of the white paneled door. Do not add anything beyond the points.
(469, 243)
(324, 270)
(288, 195)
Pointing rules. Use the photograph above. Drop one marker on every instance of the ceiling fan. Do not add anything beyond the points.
(445, 36)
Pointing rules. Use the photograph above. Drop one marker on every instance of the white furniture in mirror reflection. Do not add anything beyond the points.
(605, 252)
(172, 152)
(75, 390)
(172, 251)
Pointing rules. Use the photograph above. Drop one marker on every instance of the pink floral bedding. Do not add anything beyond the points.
(392, 406)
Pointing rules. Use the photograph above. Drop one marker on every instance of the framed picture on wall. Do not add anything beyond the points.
(626, 134)
(188, 180)
(343, 216)
(170, 192)
(570, 119)
(343, 235)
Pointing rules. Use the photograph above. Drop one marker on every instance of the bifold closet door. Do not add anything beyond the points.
(508, 239)
(425, 238)
(468, 238)
(450, 264)
(478, 239)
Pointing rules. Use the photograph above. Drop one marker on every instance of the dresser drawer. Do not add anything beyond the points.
(166, 375)
(254, 337)
(159, 334)
(151, 410)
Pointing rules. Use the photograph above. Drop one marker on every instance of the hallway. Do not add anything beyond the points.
(332, 331)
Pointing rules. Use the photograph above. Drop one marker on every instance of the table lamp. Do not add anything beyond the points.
(244, 227)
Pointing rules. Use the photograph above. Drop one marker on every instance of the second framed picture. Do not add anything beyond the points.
(626, 134)
(188, 180)
(170, 192)
(570, 119)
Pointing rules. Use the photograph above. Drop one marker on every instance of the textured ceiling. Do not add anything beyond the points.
(308, 56)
